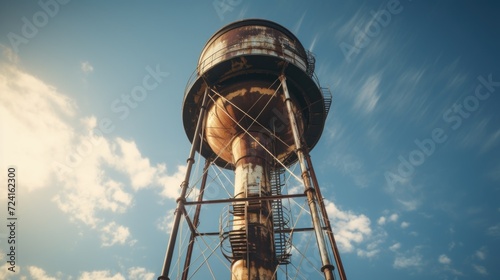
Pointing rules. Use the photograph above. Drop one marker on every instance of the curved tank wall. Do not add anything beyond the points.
(238, 63)
(252, 37)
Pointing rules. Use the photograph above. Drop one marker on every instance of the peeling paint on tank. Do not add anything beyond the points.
(251, 40)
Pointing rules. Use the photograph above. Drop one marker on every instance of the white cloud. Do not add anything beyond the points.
(140, 273)
(409, 205)
(394, 217)
(86, 67)
(113, 234)
(368, 253)
(443, 259)
(101, 275)
(296, 189)
(5, 273)
(408, 259)
(171, 183)
(402, 261)
(494, 230)
(166, 223)
(37, 273)
(88, 190)
(480, 269)
(372, 249)
(349, 228)
(368, 96)
(394, 247)
(131, 162)
(34, 115)
(405, 224)
(91, 174)
(385, 219)
(481, 253)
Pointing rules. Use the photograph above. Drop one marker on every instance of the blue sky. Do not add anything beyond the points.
(408, 161)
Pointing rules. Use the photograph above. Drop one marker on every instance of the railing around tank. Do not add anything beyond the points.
(248, 48)
(307, 63)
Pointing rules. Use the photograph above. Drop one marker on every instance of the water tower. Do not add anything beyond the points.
(255, 107)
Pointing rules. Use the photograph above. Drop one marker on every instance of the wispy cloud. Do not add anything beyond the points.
(494, 230)
(344, 29)
(86, 67)
(100, 274)
(373, 246)
(140, 273)
(409, 205)
(313, 43)
(470, 136)
(444, 259)
(481, 253)
(406, 194)
(350, 165)
(410, 259)
(403, 96)
(298, 24)
(491, 141)
(394, 247)
(371, 251)
(368, 95)
(480, 269)
(133, 273)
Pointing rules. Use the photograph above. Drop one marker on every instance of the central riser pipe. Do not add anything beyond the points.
(252, 180)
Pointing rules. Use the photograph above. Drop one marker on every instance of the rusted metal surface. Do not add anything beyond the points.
(182, 197)
(247, 115)
(254, 51)
(252, 37)
(327, 267)
(326, 220)
(253, 222)
(196, 221)
(248, 106)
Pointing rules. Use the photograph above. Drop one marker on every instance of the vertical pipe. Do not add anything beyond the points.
(196, 220)
(336, 255)
(327, 267)
(252, 181)
(184, 186)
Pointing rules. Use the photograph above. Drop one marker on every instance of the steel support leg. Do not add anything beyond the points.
(184, 186)
(336, 255)
(327, 267)
(196, 221)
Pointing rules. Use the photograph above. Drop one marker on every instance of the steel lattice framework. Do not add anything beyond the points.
(253, 109)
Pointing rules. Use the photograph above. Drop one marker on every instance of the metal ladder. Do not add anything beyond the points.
(327, 97)
(281, 219)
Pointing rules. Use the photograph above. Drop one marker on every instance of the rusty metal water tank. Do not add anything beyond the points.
(241, 63)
